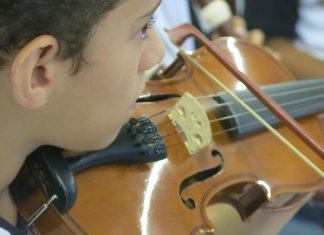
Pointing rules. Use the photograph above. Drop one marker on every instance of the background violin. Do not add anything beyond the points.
(252, 171)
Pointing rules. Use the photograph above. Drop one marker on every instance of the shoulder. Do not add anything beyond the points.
(275, 17)
(8, 229)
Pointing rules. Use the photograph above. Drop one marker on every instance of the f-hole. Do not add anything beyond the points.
(198, 177)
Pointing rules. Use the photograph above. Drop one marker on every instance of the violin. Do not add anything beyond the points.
(244, 165)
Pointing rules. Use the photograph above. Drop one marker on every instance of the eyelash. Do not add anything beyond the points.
(146, 27)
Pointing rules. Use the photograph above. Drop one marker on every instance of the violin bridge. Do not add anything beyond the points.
(191, 118)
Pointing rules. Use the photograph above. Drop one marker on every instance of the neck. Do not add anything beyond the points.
(8, 210)
(14, 147)
(15, 143)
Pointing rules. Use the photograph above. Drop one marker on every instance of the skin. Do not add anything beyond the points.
(43, 103)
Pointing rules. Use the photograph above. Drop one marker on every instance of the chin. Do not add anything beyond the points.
(92, 144)
(106, 137)
(105, 142)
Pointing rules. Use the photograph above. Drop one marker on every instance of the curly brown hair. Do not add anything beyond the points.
(69, 21)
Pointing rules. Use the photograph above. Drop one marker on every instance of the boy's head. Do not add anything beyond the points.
(71, 70)
(70, 22)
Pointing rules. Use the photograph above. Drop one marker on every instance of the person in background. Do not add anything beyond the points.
(294, 28)
(172, 14)
(166, 18)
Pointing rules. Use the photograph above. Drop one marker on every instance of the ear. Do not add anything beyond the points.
(31, 72)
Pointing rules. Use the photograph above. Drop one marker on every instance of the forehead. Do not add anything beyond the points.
(129, 15)
(121, 23)
(138, 5)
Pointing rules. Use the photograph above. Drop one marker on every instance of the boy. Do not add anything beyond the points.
(70, 73)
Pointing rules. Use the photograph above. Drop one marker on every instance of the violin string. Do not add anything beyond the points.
(285, 104)
(171, 134)
(299, 101)
(158, 113)
(225, 131)
(174, 145)
(265, 109)
(272, 118)
(163, 123)
(252, 99)
(222, 132)
(277, 94)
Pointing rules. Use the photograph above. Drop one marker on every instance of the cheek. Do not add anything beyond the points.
(102, 97)
(121, 76)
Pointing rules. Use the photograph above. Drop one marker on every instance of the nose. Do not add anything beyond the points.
(153, 51)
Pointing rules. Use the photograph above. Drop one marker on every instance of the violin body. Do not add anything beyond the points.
(169, 196)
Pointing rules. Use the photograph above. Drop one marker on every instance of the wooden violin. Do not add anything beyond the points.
(243, 166)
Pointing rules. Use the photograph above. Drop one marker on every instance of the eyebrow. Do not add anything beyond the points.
(151, 12)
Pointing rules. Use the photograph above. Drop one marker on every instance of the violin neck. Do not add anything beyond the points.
(298, 98)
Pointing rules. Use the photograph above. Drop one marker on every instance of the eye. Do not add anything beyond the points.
(146, 27)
